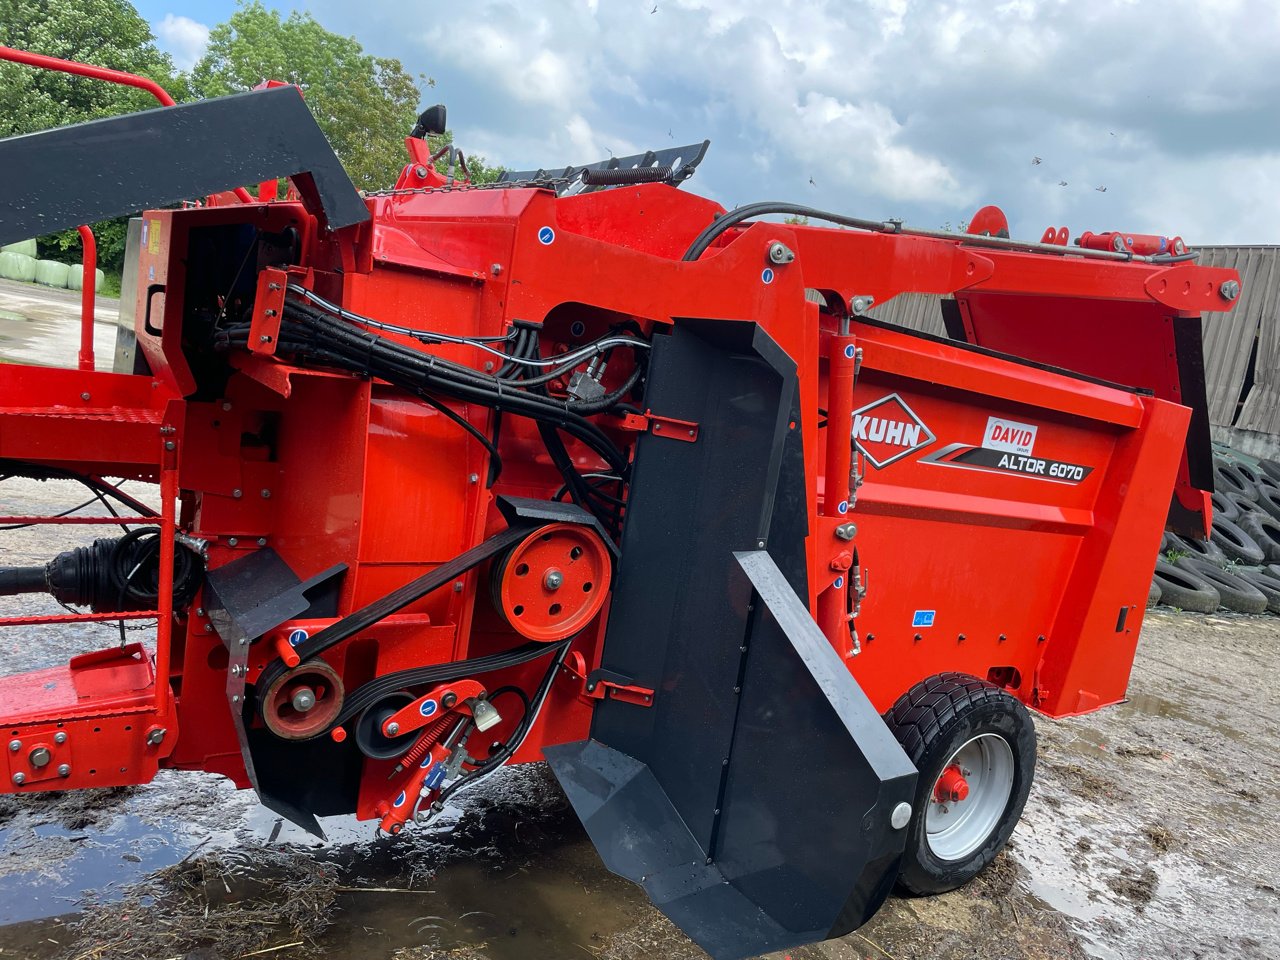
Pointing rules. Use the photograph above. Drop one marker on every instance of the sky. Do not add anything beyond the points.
(1152, 116)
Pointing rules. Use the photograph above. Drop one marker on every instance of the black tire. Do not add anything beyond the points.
(1269, 499)
(1233, 592)
(1228, 478)
(1185, 590)
(1270, 468)
(1266, 583)
(1235, 543)
(1265, 530)
(1153, 595)
(1252, 475)
(1224, 506)
(1191, 547)
(933, 721)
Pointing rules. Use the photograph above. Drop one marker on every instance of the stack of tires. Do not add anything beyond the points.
(1238, 567)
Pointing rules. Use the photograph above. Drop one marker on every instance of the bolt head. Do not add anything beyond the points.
(553, 580)
(846, 531)
(780, 253)
(393, 729)
(40, 757)
(64, 770)
(60, 737)
(233, 542)
(304, 700)
(420, 172)
(237, 493)
(15, 746)
(155, 737)
(900, 816)
(266, 494)
(84, 396)
(1230, 289)
(19, 778)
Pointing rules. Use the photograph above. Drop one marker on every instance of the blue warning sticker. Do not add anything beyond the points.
(850, 351)
(767, 276)
(400, 800)
(843, 506)
(923, 618)
(428, 708)
(546, 236)
(297, 636)
(435, 776)
(839, 583)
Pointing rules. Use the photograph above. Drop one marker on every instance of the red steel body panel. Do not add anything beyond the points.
(1026, 573)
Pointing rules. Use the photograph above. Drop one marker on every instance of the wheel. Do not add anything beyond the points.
(1235, 543)
(1196, 548)
(1153, 594)
(975, 748)
(1224, 506)
(1265, 582)
(1185, 590)
(553, 582)
(1233, 593)
(1269, 499)
(1265, 530)
(1227, 477)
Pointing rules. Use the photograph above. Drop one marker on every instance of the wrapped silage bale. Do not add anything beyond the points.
(25, 247)
(17, 266)
(75, 279)
(51, 273)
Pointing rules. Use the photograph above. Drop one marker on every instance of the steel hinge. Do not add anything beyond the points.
(686, 431)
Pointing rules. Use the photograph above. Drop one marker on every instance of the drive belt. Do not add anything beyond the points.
(397, 599)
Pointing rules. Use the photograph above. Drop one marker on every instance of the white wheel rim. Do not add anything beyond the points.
(955, 829)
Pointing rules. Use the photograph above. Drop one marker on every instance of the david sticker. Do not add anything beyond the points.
(1010, 436)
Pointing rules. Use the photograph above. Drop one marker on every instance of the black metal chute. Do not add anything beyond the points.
(106, 168)
(670, 165)
(753, 799)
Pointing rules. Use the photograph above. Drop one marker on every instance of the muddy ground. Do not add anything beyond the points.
(1151, 831)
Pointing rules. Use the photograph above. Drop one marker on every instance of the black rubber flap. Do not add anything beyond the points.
(752, 800)
(108, 168)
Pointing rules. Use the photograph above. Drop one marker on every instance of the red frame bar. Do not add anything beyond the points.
(88, 295)
(78, 618)
(54, 521)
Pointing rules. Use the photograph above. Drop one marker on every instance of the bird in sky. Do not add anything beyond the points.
(654, 10)
(1036, 161)
(1101, 189)
(1062, 183)
(811, 183)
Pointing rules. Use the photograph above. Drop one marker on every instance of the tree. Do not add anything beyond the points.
(107, 33)
(364, 104)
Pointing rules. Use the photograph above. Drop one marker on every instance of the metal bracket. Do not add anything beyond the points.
(686, 431)
(268, 311)
(605, 684)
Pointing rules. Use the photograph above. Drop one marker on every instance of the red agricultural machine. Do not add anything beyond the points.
(581, 467)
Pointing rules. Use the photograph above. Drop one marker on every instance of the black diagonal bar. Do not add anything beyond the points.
(107, 168)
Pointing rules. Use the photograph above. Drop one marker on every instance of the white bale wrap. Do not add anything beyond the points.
(75, 279)
(25, 247)
(17, 266)
(51, 273)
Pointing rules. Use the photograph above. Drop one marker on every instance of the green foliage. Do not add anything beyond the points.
(107, 33)
(1173, 556)
(364, 104)
(796, 221)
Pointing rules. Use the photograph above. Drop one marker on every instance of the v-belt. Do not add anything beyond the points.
(398, 599)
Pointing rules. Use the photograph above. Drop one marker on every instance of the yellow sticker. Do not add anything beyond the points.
(153, 241)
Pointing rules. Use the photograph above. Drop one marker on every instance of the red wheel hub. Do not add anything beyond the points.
(554, 581)
(304, 702)
(951, 787)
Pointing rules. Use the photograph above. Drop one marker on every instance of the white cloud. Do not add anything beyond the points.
(923, 109)
(182, 38)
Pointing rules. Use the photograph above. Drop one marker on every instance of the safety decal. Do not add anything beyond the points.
(766, 276)
(969, 457)
(428, 708)
(297, 636)
(435, 776)
(887, 430)
(546, 236)
(923, 618)
(400, 800)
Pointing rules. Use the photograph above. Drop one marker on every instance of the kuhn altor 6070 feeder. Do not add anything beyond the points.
(583, 467)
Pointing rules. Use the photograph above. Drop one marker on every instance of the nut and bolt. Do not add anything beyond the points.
(39, 757)
(262, 541)
(780, 253)
(15, 746)
(496, 269)
(553, 580)
(304, 699)
(64, 770)
(237, 493)
(170, 445)
(1230, 289)
(155, 736)
(393, 729)
(233, 541)
(420, 172)
(60, 737)
(19, 778)
(266, 494)
(861, 305)
(449, 700)
(846, 531)
(84, 396)
(473, 478)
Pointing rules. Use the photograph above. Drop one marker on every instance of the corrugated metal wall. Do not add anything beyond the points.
(1229, 338)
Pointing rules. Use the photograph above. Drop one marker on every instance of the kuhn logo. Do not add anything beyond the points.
(888, 430)
(1009, 435)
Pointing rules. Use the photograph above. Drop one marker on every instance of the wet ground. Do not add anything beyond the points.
(42, 325)
(1151, 831)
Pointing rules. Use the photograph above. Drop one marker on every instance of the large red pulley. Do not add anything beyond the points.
(553, 582)
(304, 702)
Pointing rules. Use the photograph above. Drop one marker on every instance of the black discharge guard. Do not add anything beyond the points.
(752, 800)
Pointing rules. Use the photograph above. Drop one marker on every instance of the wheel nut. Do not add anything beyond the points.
(39, 757)
(304, 699)
(553, 580)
